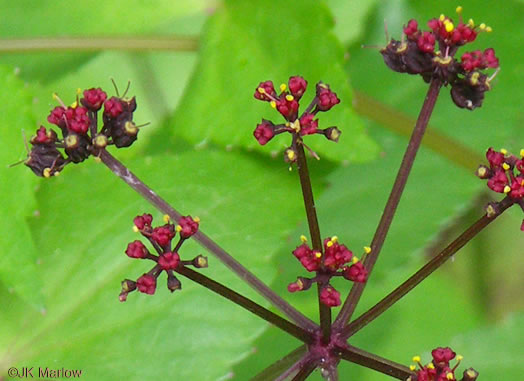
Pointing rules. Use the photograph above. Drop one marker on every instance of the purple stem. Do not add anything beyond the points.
(424, 272)
(394, 198)
(134, 182)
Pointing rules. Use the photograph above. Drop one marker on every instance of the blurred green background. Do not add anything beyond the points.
(63, 239)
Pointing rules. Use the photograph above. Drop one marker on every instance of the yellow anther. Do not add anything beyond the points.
(299, 283)
(135, 229)
(261, 90)
(471, 23)
(507, 189)
(416, 358)
(450, 376)
(430, 366)
(295, 125)
(46, 172)
(56, 174)
(412, 367)
(522, 152)
(196, 219)
(78, 91)
(329, 244)
(334, 239)
(504, 151)
(74, 104)
(367, 249)
(354, 259)
(202, 261)
(318, 254)
(178, 228)
(460, 357)
(482, 26)
(482, 171)
(458, 10)
(291, 155)
(521, 183)
(166, 218)
(442, 17)
(55, 96)
(96, 159)
(489, 29)
(289, 97)
(283, 87)
(303, 238)
(449, 26)
(273, 104)
(506, 166)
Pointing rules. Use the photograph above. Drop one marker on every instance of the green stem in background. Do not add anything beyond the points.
(402, 125)
(93, 44)
(394, 198)
(424, 272)
(371, 361)
(134, 182)
(314, 231)
(246, 303)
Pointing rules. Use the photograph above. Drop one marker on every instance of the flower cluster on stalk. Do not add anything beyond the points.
(81, 136)
(167, 260)
(336, 260)
(431, 54)
(287, 104)
(505, 174)
(439, 369)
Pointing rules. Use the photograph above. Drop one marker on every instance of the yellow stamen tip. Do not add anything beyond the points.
(78, 90)
(412, 367)
(430, 366)
(460, 357)
(507, 189)
(166, 218)
(354, 259)
(56, 174)
(318, 254)
(289, 97)
(482, 26)
(261, 90)
(74, 104)
(489, 29)
(178, 228)
(135, 229)
(450, 376)
(291, 155)
(459, 9)
(522, 152)
(97, 159)
(283, 87)
(196, 219)
(303, 238)
(442, 17)
(505, 166)
(449, 26)
(329, 244)
(504, 151)
(416, 359)
(471, 23)
(273, 104)
(55, 96)
(521, 183)
(46, 172)
(334, 239)
(367, 249)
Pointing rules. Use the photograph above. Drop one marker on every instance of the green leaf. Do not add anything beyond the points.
(239, 51)
(27, 19)
(494, 350)
(350, 18)
(18, 271)
(82, 231)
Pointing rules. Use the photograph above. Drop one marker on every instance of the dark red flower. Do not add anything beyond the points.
(356, 273)
(326, 98)
(146, 284)
(169, 261)
(297, 86)
(187, 226)
(330, 297)
(93, 99)
(113, 107)
(443, 355)
(264, 132)
(136, 249)
(143, 221)
(310, 259)
(163, 235)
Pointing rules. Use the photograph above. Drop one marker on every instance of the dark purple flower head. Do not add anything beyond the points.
(168, 259)
(81, 134)
(431, 54)
(439, 368)
(287, 104)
